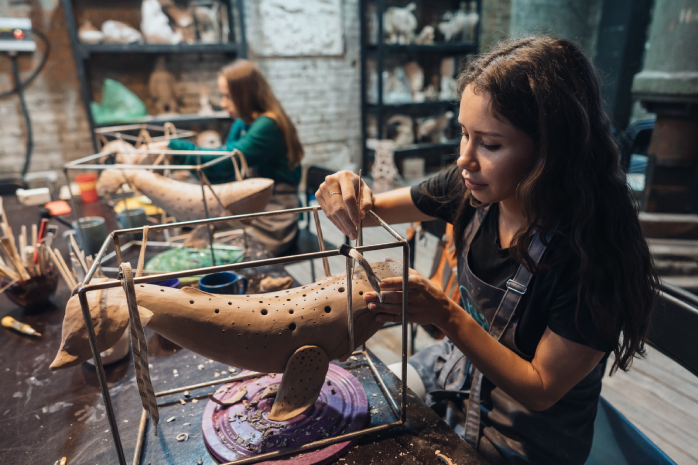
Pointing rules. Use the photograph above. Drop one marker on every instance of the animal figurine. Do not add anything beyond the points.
(447, 88)
(163, 89)
(295, 331)
(90, 34)
(182, 18)
(184, 200)
(156, 26)
(399, 24)
(395, 87)
(459, 25)
(434, 129)
(205, 107)
(400, 130)
(383, 171)
(116, 32)
(426, 37)
(208, 27)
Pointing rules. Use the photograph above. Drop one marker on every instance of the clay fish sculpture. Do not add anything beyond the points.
(295, 331)
(184, 200)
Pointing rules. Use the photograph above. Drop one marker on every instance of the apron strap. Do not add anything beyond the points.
(470, 231)
(516, 288)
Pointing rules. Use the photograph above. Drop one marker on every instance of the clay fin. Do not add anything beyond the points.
(301, 384)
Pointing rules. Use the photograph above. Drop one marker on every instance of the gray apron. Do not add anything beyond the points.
(278, 233)
(501, 429)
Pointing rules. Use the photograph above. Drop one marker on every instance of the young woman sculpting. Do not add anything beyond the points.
(553, 269)
(266, 136)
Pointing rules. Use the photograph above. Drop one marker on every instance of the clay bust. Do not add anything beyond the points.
(296, 331)
(184, 200)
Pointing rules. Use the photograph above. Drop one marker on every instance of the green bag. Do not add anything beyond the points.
(119, 105)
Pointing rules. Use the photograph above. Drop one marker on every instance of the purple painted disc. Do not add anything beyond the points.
(243, 430)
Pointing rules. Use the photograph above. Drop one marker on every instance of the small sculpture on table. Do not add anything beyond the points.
(460, 25)
(116, 32)
(426, 37)
(155, 25)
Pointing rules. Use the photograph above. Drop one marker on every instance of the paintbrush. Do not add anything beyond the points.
(13, 258)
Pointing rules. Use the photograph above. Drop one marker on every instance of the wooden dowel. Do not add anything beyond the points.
(57, 263)
(14, 257)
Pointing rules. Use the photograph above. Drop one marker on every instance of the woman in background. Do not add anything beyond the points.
(266, 136)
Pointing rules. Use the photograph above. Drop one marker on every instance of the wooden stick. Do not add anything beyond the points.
(23, 245)
(78, 252)
(77, 267)
(8, 273)
(14, 258)
(58, 263)
(35, 235)
(5, 288)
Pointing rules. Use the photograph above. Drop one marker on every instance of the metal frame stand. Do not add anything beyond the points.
(400, 412)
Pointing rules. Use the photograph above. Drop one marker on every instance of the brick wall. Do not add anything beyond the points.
(495, 21)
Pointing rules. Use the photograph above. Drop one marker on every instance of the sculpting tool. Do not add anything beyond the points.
(9, 322)
(42, 232)
(62, 268)
(23, 246)
(13, 257)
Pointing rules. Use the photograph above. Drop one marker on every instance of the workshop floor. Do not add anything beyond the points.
(657, 395)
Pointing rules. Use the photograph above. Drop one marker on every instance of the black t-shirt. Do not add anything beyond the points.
(551, 298)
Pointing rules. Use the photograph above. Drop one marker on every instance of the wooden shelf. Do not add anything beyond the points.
(426, 148)
(89, 49)
(191, 117)
(450, 47)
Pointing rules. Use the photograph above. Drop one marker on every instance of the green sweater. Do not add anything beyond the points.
(263, 145)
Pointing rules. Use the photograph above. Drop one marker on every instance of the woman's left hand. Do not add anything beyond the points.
(427, 304)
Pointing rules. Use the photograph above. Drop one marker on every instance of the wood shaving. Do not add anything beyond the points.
(181, 437)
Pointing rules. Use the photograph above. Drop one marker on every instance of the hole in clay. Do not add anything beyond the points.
(142, 285)
(264, 311)
(303, 295)
(162, 290)
(216, 310)
(191, 301)
(361, 292)
(341, 289)
(292, 326)
(230, 303)
(261, 302)
(290, 312)
(233, 323)
(328, 309)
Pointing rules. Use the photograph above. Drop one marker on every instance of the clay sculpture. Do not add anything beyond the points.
(399, 24)
(183, 200)
(296, 331)
(459, 25)
(155, 25)
(116, 32)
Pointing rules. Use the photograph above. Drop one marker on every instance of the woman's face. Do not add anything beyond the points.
(494, 156)
(226, 100)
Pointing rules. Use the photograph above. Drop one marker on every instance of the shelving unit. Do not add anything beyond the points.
(86, 55)
(427, 13)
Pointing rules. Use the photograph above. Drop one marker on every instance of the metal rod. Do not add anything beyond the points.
(138, 451)
(382, 386)
(101, 377)
(208, 183)
(209, 383)
(209, 226)
(321, 241)
(76, 215)
(405, 286)
(350, 307)
(314, 445)
(386, 226)
(238, 266)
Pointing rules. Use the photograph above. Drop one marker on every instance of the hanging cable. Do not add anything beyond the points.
(35, 73)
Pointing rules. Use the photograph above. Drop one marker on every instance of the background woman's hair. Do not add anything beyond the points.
(547, 88)
(252, 94)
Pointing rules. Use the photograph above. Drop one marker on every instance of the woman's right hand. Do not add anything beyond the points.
(338, 197)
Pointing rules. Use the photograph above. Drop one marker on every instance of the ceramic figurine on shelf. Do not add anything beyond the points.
(415, 78)
(294, 331)
(434, 129)
(155, 25)
(182, 18)
(163, 89)
(460, 25)
(205, 108)
(447, 90)
(90, 34)
(383, 171)
(399, 129)
(399, 24)
(426, 37)
(432, 90)
(208, 26)
(116, 32)
(395, 86)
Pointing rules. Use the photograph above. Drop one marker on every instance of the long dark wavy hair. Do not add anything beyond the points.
(547, 88)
